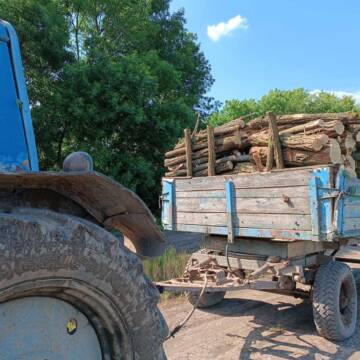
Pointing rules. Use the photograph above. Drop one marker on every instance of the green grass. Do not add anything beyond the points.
(170, 265)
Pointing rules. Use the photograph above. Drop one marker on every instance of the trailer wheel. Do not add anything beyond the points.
(69, 290)
(335, 301)
(208, 299)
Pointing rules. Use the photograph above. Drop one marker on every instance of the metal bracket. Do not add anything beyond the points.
(230, 209)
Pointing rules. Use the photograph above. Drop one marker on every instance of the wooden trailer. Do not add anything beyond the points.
(276, 231)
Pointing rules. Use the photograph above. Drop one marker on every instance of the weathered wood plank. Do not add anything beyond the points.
(349, 252)
(248, 232)
(245, 205)
(266, 247)
(255, 180)
(290, 191)
(256, 221)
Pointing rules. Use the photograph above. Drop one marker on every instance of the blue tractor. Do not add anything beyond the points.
(69, 289)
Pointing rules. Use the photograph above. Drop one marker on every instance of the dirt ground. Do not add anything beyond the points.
(253, 325)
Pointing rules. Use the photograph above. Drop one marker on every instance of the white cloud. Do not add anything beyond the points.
(339, 93)
(215, 32)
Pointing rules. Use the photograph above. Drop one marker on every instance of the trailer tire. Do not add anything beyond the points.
(335, 301)
(207, 300)
(55, 256)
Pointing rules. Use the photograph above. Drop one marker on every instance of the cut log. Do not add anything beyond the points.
(245, 167)
(236, 140)
(233, 158)
(313, 142)
(218, 131)
(349, 144)
(219, 169)
(304, 128)
(261, 122)
(331, 154)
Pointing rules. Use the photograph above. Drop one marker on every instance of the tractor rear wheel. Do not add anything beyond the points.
(69, 290)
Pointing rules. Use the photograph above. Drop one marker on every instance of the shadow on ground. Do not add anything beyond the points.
(291, 335)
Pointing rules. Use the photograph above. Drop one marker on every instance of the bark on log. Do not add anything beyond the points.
(297, 141)
(222, 130)
(261, 122)
(294, 157)
(245, 167)
(304, 128)
(228, 145)
(330, 128)
(236, 140)
(219, 169)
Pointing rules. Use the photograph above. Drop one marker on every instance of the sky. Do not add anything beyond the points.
(257, 45)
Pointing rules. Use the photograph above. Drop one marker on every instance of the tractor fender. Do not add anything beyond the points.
(109, 203)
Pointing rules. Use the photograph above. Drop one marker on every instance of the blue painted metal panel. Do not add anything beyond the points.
(325, 208)
(347, 214)
(17, 141)
(314, 206)
(230, 209)
(168, 204)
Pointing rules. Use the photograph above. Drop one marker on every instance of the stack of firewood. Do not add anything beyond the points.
(268, 142)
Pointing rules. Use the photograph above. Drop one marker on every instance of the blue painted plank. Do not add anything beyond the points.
(230, 209)
(168, 204)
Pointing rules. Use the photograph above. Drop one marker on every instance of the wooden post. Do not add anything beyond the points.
(276, 140)
(270, 154)
(188, 151)
(211, 151)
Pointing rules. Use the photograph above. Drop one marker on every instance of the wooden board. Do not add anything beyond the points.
(286, 235)
(245, 205)
(256, 221)
(254, 180)
(267, 247)
(298, 192)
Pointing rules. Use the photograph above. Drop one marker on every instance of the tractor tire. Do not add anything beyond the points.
(46, 255)
(335, 301)
(207, 300)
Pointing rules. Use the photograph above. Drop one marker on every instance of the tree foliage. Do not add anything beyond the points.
(117, 78)
(283, 102)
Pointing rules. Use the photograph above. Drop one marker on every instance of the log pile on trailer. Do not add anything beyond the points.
(268, 142)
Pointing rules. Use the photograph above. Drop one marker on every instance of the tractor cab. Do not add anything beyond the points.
(17, 143)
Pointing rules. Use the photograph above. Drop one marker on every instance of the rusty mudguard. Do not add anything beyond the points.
(109, 203)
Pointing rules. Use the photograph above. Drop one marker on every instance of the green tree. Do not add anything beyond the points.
(117, 78)
(283, 102)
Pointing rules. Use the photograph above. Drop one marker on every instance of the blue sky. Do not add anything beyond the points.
(277, 44)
